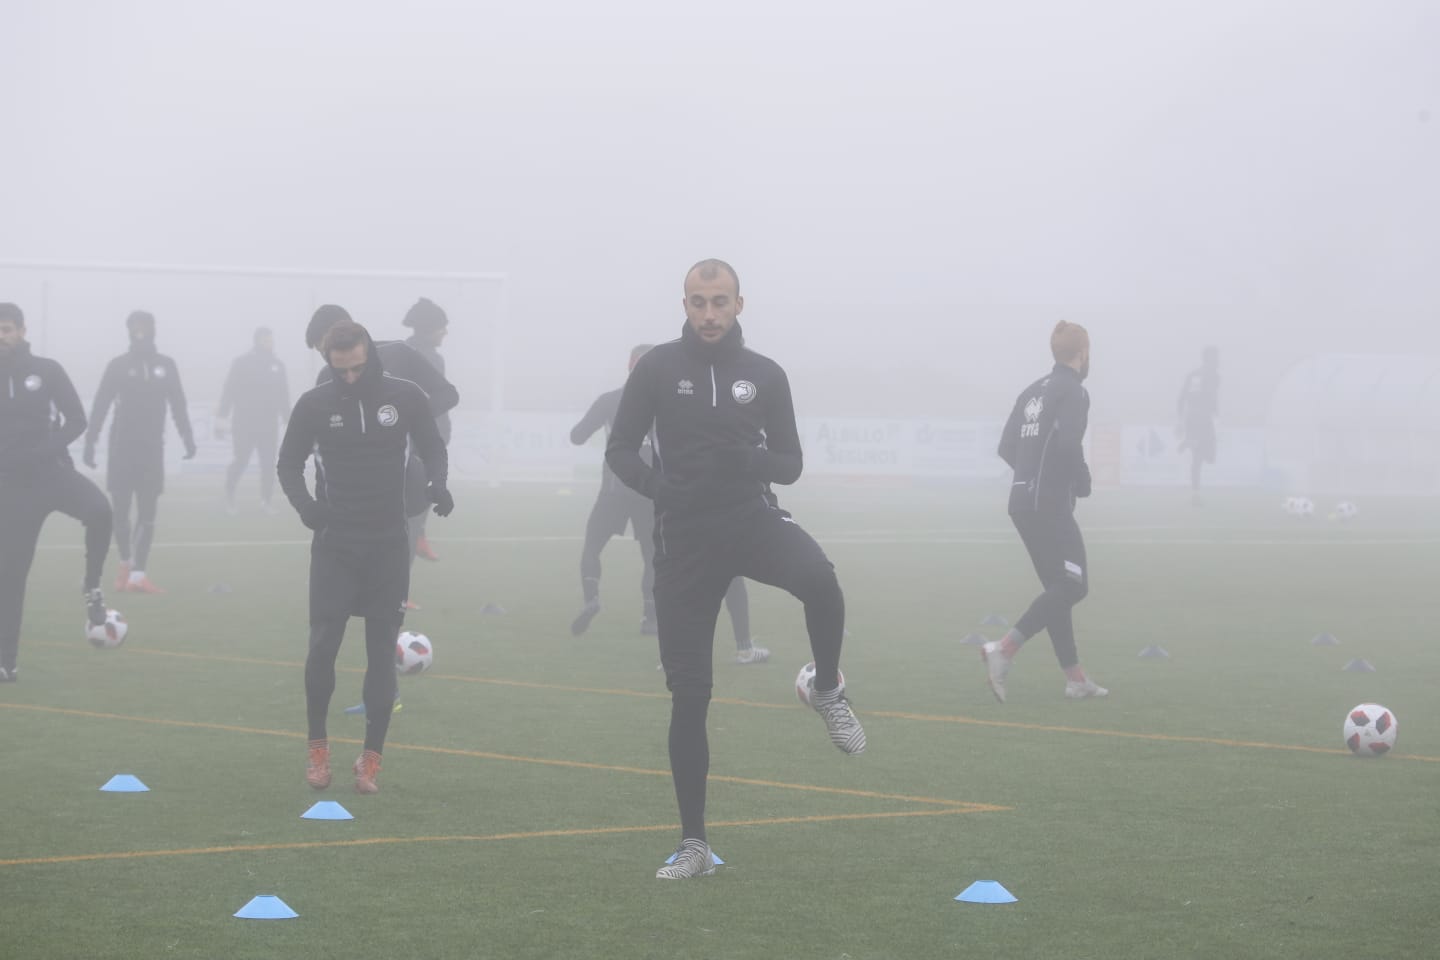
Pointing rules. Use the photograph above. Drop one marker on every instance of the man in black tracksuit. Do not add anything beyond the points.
(724, 429)
(141, 383)
(398, 359)
(359, 426)
(257, 392)
(431, 325)
(1198, 404)
(40, 416)
(1042, 442)
(615, 507)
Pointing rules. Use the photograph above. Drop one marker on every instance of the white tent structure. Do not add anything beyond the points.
(1351, 424)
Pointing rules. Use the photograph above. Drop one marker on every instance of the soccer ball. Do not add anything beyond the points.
(413, 653)
(1370, 730)
(803, 680)
(109, 634)
(1298, 506)
(1345, 510)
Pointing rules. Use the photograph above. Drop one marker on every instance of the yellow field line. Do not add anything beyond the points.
(490, 755)
(885, 714)
(524, 835)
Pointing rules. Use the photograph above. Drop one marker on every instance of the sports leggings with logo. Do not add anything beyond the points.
(1057, 550)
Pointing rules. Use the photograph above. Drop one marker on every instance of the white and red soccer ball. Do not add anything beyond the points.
(413, 653)
(109, 634)
(1369, 730)
(803, 681)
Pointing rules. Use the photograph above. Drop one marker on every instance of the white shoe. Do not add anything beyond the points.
(841, 722)
(693, 859)
(1082, 689)
(997, 665)
(752, 655)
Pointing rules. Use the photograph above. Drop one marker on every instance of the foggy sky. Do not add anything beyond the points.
(913, 192)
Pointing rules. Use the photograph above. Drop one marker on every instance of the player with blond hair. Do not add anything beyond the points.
(1042, 442)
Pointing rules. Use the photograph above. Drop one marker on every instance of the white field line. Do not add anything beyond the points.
(892, 538)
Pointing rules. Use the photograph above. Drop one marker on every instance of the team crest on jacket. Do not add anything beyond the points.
(387, 415)
(743, 391)
(33, 383)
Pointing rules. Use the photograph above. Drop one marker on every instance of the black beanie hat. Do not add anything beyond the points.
(425, 316)
(325, 317)
(140, 318)
(10, 311)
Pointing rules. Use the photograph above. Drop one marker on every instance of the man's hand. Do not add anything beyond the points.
(1082, 484)
(670, 494)
(315, 515)
(442, 498)
(189, 449)
(88, 457)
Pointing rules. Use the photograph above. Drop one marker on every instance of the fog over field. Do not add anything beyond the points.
(913, 192)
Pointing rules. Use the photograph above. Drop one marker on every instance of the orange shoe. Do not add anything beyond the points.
(122, 578)
(367, 768)
(423, 551)
(317, 768)
(411, 605)
(143, 585)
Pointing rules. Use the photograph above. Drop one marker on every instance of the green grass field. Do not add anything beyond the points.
(1207, 808)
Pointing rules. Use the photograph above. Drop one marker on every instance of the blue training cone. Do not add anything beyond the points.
(713, 856)
(986, 891)
(124, 783)
(266, 907)
(327, 810)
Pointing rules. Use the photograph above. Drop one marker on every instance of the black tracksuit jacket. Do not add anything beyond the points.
(256, 391)
(40, 416)
(602, 414)
(1042, 442)
(141, 383)
(724, 430)
(359, 433)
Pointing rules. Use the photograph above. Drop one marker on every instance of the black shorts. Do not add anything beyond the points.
(358, 579)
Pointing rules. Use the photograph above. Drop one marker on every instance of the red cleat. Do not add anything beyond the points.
(143, 585)
(423, 551)
(367, 768)
(411, 605)
(317, 767)
(122, 578)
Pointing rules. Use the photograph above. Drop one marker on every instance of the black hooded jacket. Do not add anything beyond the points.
(140, 383)
(399, 359)
(1042, 442)
(256, 391)
(724, 428)
(359, 434)
(40, 415)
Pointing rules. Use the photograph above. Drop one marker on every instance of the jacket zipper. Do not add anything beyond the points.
(714, 394)
(361, 405)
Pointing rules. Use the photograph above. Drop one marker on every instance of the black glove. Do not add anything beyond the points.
(315, 514)
(1082, 483)
(189, 449)
(444, 502)
(88, 457)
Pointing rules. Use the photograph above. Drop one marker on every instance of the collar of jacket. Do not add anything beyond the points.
(1065, 370)
(727, 346)
(17, 355)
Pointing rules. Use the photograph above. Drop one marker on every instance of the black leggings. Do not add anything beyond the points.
(1058, 552)
(379, 687)
(23, 509)
(147, 503)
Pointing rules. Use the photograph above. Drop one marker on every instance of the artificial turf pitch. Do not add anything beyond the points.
(1207, 808)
